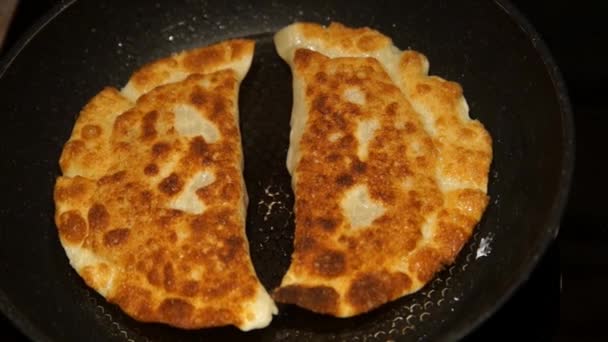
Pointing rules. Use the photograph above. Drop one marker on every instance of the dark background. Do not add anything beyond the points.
(565, 298)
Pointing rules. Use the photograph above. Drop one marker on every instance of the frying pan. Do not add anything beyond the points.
(510, 80)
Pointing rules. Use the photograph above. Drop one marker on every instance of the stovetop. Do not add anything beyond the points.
(564, 298)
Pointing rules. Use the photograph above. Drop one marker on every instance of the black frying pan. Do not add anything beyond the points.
(510, 81)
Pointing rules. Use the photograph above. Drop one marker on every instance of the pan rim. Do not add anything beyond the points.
(551, 228)
(7, 308)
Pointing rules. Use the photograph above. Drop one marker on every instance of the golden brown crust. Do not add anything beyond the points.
(371, 290)
(204, 60)
(122, 224)
(464, 145)
(85, 153)
(72, 227)
(321, 299)
(338, 36)
(429, 178)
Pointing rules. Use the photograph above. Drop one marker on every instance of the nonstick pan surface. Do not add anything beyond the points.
(510, 81)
